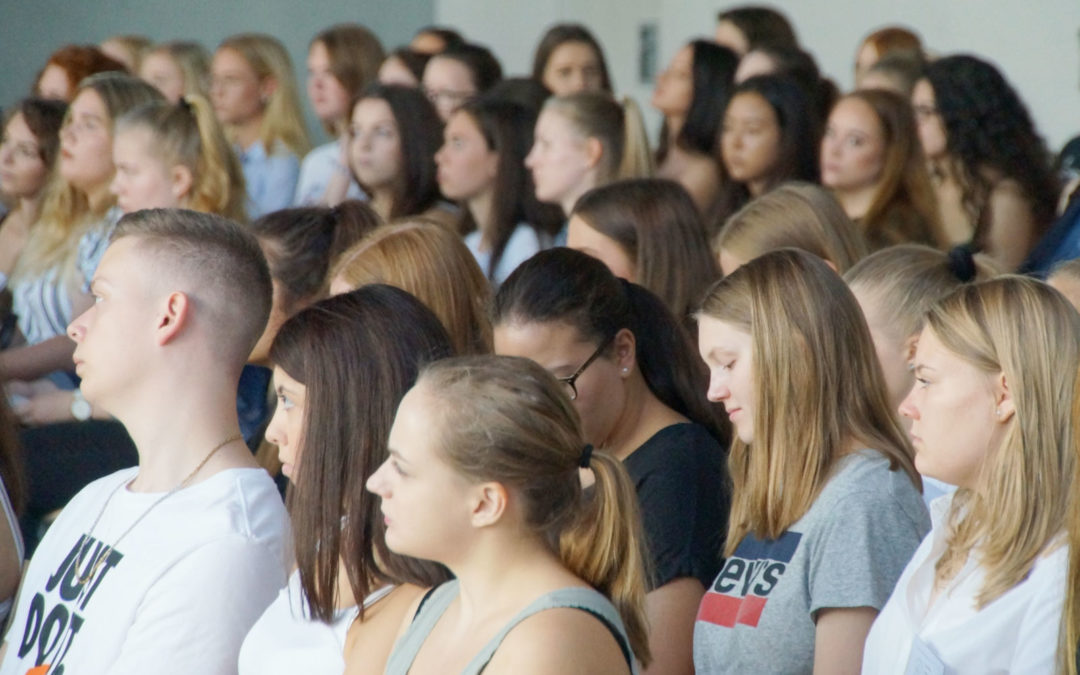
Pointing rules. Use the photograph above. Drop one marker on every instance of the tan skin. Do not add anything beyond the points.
(621, 413)
(369, 642)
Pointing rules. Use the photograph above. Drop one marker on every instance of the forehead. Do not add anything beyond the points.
(226, 59)
(123, 264)
(549, 343)
(462, 123)
(751, 105)
(573, 52)
(714, 334)
(375, 109)
(856, 112)
(446, 71)
(88, 102)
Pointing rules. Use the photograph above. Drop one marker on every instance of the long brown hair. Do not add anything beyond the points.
(432, 263)
(1016, 511)
(357, 354)
(657, 225)
(904, 209)
(819, 388)
(506, 419)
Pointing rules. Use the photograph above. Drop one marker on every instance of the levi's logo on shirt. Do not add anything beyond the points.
(55, 612)
(742, 589)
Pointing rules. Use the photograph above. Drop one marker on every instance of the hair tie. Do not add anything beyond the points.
(586, 455)
(962, 262)
(185, 105)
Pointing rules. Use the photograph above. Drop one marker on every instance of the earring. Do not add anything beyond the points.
(625, 370)
(998, 411)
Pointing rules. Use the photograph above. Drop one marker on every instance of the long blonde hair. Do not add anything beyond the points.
(65, 210)
(188, 134)
(432, 263)
(511, 422)
(1070, 617)
(795, 214)
(283, 122)
(1028, 332)
(819, 388)
(194, 63)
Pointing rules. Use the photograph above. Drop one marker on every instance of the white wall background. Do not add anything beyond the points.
(1034, 42)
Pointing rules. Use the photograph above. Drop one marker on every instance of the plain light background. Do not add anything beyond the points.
(1034, 42)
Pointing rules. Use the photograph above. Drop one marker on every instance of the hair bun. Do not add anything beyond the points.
(962, 262)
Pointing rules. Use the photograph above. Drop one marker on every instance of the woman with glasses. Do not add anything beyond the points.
(634, 378)
(453, 77)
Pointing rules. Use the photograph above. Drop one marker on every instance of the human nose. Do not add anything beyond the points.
(718, 390)
(376, 483)
(530, 159)
(76, 330)
(274, 428)
(907, 406)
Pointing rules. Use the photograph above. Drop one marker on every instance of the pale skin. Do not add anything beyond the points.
(369, 642)
(839, 632)
(670, 609)
(502, 565)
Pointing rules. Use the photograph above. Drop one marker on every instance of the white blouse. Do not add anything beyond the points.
(1016, 633)
(286, 640)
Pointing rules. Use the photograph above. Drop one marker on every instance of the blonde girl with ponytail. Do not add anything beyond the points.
(483, 476)
(175, 155)
(166, 156)
(583, 141)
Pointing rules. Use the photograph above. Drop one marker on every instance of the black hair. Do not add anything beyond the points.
(713, 77)
(570, 287)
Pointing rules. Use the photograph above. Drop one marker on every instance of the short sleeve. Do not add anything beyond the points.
(667, 500)
(194, 618)
(276, 185)
(862, 548)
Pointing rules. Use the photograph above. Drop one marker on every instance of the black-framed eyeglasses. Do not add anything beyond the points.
(571, 381)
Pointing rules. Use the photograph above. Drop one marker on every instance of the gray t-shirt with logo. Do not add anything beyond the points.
(848, 550)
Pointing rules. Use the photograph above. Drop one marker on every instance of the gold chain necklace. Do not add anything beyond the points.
(104, 554)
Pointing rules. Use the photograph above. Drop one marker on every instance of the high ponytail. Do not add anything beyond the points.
(219, 183)
(637, 158)
(511, 422)
(187, 134)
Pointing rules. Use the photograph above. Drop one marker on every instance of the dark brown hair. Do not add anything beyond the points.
(357, 354)
(301, 244)
(420, 134)
(760, 24)
(560, 34)
(44, 117)
(11, 469)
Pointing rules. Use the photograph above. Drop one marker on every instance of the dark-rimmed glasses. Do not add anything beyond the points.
(571, 381)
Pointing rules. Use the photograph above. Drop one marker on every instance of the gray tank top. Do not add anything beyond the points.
(585, 599)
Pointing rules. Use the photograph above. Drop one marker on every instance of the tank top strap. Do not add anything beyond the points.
(574, 597)
(428, 614)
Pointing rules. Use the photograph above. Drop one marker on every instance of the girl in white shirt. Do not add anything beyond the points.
(335, 407)
(990, 411)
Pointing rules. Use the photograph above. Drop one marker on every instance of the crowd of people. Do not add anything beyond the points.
(488, 383)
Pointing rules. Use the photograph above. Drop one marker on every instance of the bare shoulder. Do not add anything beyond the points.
(563, 640)
(369, 642)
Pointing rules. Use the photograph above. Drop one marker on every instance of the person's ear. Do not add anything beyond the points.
(625, 346)
(594, 151)
(174, 315)
(1005, 407)
(908, 349)
(182, 181)
(267, 88)
(489, 503)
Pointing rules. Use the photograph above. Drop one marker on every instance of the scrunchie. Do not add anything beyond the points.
(962, 263)
(586, 455)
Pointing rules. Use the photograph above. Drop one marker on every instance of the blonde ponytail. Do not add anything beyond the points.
(601, 549)
(637, 159)
(219, 179)
(187, 134)
(510, 422)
